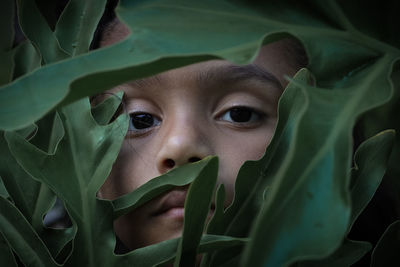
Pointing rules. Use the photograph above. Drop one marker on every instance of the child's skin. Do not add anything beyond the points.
(184, 115)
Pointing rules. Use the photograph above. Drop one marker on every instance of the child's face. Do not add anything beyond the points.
(186, 114)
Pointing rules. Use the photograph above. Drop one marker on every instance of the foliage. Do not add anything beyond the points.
(303, 196)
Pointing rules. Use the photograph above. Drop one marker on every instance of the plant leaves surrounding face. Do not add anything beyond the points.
(312, 198)
(90, 154)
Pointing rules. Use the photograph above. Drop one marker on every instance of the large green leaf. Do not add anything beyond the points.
(310, 190)
(39, 32)
(105, 111)
(197, 208)
(23, 189)
(77, 24)
(371, 160)
(90, 154)
(26, 59)
(149, 50)
(22, 237)
(158, 185)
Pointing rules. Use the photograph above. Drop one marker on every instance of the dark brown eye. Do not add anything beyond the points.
(142, 121)
(241, 115)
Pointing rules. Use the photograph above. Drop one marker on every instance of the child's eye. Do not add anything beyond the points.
(142, 121)
(241, 115)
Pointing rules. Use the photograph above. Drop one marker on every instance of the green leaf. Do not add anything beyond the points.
(49, 134)
(370, 164)
(39, 32)
(311, 184)
(23, 189)
(214, 226)
(26, 59)
(148, 51)
(177, 177)
(371, 160)
(77, 24)
(22, 238)
(104, 112)
(386, 252)
(90, 152)
(197, 209)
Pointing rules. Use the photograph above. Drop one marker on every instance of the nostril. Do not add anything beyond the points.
(194, 159)
(169, 163)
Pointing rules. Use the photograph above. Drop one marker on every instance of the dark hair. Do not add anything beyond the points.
(106, 19)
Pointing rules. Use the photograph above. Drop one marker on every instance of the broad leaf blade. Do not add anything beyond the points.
(90, 153)
(177, 177)
(77, 24)
(22, 238)
(104, 111)
(197, 209)
(39, 32)
(371, 160)
(26, 59)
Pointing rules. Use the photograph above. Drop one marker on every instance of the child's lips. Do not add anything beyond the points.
(171, 204)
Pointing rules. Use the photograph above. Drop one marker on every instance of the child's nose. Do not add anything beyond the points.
(181, 145)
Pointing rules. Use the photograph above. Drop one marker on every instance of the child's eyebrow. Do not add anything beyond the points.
(234, 73)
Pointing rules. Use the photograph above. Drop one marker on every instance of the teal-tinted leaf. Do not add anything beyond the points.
(156, 186)
(105, 111)
(77, 24)
(6, 254)
(371, 160)
(26, 59)
(22, 238)
(197, 209)
(370, 164)
(347, 254)
(308, 211)
(386, 252)
(89, 149)
(39, 32)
